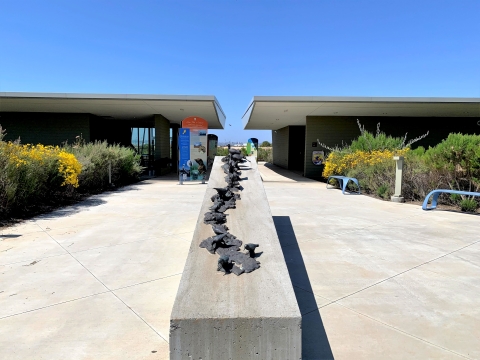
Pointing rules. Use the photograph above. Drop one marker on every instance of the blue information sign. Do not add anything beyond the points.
(184, 148)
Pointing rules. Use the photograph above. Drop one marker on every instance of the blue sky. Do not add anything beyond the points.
(237, 49)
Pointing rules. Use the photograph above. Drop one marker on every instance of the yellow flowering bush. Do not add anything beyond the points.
(33, 174)
(39, 155)
(338, 163)
(69, 167)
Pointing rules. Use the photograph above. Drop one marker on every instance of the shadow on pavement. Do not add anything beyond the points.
(295, 176)
(71, 209)
(315, 344)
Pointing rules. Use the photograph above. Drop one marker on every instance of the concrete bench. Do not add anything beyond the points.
(343, 181)
(436, 193)
(251, 316)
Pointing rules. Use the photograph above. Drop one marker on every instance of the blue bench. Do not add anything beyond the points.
(436, 193)
(343, 181)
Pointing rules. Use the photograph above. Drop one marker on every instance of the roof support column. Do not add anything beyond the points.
(175, 128)
(280, 147)
(162, 144)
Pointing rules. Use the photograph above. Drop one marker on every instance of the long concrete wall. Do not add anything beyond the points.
(280, 142)
(252, 316)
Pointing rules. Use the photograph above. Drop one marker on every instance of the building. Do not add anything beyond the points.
(298, 121)
(53, 118)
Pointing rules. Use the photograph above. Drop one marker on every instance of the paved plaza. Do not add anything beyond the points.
(373, 279)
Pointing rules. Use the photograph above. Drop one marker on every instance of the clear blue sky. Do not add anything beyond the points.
(237, 49)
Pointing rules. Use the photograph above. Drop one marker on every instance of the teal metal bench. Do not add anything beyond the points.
(436, 193)
(343, 181)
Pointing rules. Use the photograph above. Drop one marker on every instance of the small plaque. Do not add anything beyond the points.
(318, 157)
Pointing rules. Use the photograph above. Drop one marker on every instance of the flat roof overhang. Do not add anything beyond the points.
(118, 106)
(276, 112)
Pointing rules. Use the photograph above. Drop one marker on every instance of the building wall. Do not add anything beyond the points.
(162, 137)
(45, 128)
(333, 130)
(280, 145)
(111, 130)
(330, 131)
(438, 128)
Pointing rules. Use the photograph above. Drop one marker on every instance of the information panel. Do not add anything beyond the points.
(196, 164)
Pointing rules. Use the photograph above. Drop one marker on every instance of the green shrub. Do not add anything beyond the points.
(468, 205)
(458, 155)
(222, 151)
(455, 198)
(264, 155)
(95, 159)
(382, 191)
(265, 144)
(374, 177)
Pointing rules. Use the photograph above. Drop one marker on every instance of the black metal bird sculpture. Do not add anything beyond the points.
(251, 249)
(224, 264)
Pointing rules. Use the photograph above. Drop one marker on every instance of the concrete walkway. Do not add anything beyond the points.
(373, 279)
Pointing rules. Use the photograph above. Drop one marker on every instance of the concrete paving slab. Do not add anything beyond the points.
(186, 236)
(421, 232)
(334, 269)
(97, 327)
(81, 238)
(353, 336)
(387, 250)
(439, 227)
(153, 301)
(470, 254)
(110, 233)
(309, 226)
(435, 307)
(134, 263)
(29, 286)
(22, 228)
(28, 246)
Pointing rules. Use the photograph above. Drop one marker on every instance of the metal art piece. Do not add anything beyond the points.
(212, 243)
(226, 245)
(251, 249)
(224, 264)
(214, 218)
(219, 229)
